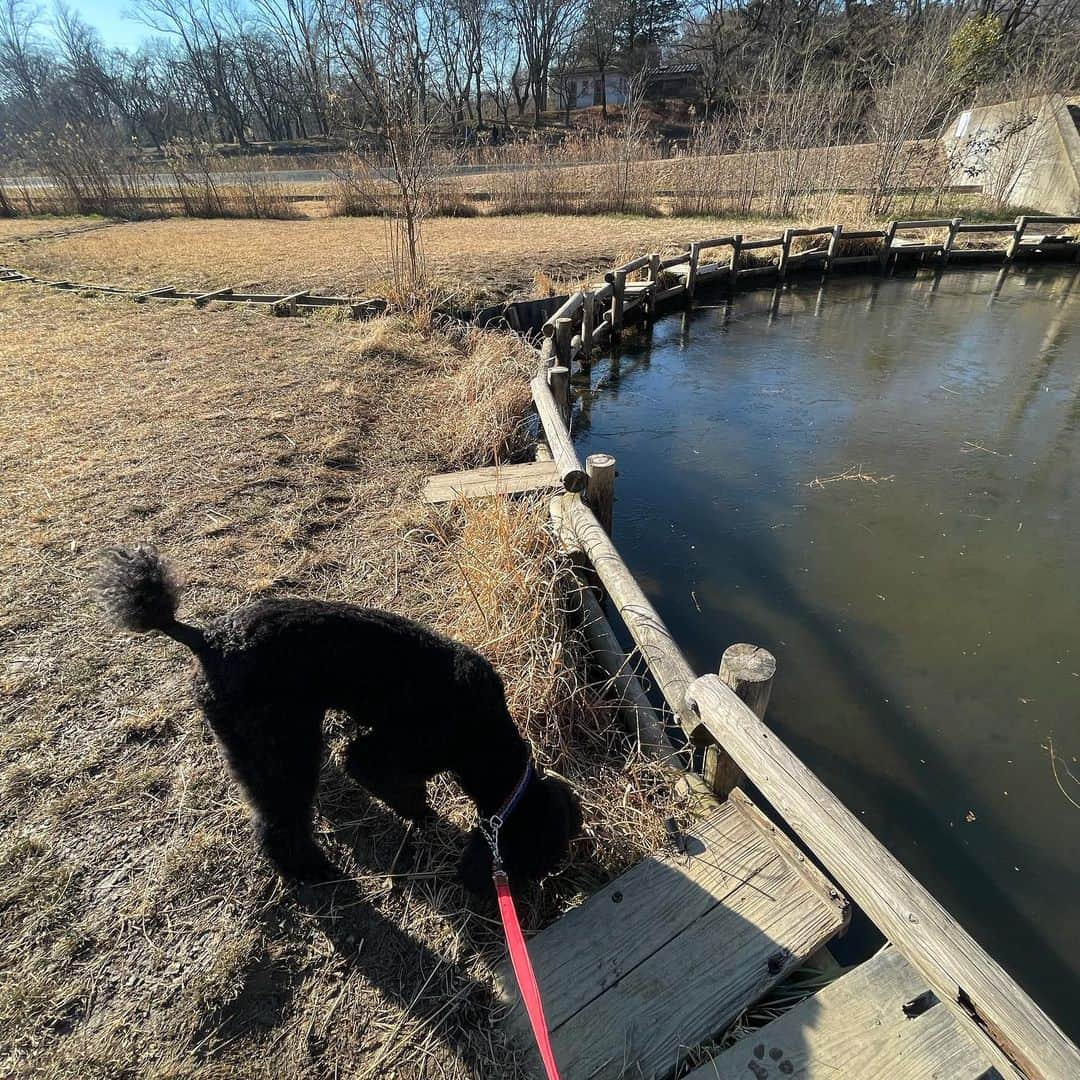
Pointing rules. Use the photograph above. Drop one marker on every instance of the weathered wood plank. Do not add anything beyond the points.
(856, 1027)
(669, 953)
(495, 480)
(1017, 1036)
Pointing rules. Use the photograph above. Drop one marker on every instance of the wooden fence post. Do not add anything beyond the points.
(785, 254)
(600, 494)
(834, 246)
(588, 319)
(564, 332)
(736, 247)
(1017, 236)
(618, 291)
(559, 381)
(749, 671)
(946, 250)
(654, 281)
(691, 275)
(886, 245)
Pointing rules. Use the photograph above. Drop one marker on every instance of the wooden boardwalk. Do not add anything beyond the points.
(648, 976)
(669, 954)
(877, 1020)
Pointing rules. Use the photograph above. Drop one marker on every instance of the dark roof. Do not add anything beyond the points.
(665, 71)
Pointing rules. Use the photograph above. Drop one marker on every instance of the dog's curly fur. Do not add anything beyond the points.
(423, 704)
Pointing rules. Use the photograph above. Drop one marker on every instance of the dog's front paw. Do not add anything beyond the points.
(311, 867)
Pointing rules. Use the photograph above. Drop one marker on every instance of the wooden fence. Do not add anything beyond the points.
(723, 712)
(287, 304)
(638, 289)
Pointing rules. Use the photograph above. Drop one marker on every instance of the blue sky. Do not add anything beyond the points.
(107, 16)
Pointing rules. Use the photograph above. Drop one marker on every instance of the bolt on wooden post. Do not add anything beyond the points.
(749, 671)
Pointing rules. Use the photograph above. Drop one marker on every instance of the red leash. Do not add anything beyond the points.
(515, 940)
(523, 971)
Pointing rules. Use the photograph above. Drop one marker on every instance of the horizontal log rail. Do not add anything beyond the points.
(574, 477)
(754, 245)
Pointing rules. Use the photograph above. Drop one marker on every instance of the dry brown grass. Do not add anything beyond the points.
(141, 934)
(470, 257)
(472, 260)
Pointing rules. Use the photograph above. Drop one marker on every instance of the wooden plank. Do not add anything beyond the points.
(673, 950)
(286, 305)
(1017, 1036)
(856, 1027)
(205, 298)
(494, 480)
(926, 223)
(986, 226)
(754, 245)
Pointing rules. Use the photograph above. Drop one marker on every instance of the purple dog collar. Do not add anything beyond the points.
(490, 826)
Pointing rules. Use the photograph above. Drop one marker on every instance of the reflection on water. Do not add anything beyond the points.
(923, 610)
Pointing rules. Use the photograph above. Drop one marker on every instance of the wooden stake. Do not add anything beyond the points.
(954, 226)
(564, 332)
(654, 280)
(785, 254)
(1014, 243)
(886, 245)
(618, 291)
(601, 490)
(834, 246)
(736, 247)
(588, 316)
(691, 277)
(559, 381)
(749, 671)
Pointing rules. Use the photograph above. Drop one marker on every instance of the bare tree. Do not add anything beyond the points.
(600, 41)
(299, 28)
(544, 27)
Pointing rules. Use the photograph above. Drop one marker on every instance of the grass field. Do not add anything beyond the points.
(471, 259)
(472, 256)
(141, 933)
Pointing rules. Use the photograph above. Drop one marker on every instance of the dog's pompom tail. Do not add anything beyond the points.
(138, 588)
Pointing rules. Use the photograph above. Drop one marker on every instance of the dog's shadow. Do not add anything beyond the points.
(399, 871)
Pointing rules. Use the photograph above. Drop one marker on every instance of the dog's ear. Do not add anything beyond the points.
(474, 869)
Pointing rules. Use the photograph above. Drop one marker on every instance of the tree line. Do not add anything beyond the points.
(237, 71)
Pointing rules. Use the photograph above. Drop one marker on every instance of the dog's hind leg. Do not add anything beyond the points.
(375, 764)
(276, 756)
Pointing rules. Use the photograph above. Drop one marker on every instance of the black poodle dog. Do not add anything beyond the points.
(268, 673)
